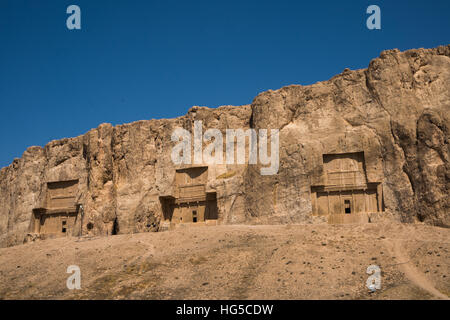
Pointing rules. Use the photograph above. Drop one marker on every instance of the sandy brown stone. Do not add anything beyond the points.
(396, 111)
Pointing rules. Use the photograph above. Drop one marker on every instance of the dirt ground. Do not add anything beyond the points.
(236, 262)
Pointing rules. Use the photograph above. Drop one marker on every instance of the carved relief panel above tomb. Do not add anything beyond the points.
(190, 183)
(61, 194)
(346, 169)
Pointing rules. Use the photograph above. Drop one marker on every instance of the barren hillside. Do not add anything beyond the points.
(236, 262)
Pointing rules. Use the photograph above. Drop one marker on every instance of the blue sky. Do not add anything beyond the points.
(135, 60)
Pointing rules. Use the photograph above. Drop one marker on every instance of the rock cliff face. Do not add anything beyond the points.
(396, 111)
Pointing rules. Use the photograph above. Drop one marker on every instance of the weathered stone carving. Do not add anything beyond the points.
(58, 215)
(191, 202)
(396, 112)
(346, 195)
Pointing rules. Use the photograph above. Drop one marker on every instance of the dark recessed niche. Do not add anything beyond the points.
(115, 229)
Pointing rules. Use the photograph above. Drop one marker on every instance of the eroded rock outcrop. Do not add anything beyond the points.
(396, 112)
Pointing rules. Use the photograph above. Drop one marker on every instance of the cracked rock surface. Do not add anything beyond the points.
(396, 111)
